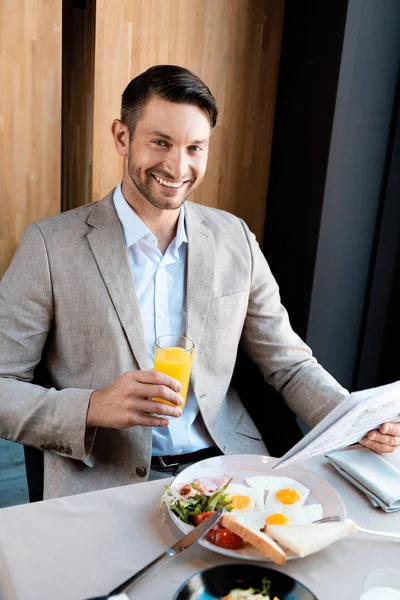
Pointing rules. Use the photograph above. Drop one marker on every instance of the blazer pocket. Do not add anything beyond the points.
(246, 427)
(229, 300)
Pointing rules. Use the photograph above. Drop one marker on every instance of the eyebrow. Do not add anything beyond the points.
(169, 138)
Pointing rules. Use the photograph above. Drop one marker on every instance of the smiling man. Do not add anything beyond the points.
(164, 168)
(89, 290)
(165, 150)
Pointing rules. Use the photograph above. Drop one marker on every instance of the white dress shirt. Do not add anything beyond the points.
(160, 282)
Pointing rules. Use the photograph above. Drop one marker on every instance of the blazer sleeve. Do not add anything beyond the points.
(30, 414)
(287, 363)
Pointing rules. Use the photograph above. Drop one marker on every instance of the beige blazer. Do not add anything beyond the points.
(70, 323)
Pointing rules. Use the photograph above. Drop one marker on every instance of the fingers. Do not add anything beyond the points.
(392, 429)
(133, 412)
(383, 440)
(386, 435)
(152, 384)
(147, 420)
(157, 378)
(376, 446)
(148, 406)
(160, 391)
(128, 401)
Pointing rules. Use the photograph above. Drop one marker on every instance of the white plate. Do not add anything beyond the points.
(241, 466)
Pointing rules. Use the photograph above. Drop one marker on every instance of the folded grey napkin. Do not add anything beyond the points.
(371, 474)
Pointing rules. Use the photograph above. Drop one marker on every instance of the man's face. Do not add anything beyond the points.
(168, 152)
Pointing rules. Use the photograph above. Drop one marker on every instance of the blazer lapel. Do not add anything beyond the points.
(107, 243)
(200, 275)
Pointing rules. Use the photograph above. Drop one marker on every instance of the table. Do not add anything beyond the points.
(81, 546)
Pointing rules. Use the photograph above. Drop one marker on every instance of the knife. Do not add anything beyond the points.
(176, 549)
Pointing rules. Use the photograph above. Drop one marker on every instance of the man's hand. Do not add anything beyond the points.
(384, 439)
(126, 402)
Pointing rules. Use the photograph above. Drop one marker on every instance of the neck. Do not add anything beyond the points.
(161, 223)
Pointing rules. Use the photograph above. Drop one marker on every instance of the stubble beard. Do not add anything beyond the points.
(145, 189)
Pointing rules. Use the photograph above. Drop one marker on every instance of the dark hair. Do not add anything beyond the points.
(167, 82)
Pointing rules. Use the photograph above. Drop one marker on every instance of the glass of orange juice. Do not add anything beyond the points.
(173, 356)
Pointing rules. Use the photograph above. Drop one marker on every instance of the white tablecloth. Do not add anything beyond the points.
(82, 546)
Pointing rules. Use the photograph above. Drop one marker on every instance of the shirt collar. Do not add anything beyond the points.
(134, 228)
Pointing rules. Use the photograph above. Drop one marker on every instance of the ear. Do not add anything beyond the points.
(120, 134)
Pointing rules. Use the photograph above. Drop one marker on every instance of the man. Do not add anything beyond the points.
(89, 290)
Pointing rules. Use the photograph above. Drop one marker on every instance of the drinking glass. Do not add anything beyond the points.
(173, 355)
(382, 584)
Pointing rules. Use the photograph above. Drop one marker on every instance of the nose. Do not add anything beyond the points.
(177, 163)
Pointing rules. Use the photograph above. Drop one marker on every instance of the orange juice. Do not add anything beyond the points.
(175, 362)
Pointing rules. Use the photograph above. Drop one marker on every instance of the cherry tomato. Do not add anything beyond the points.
(218, 535)
(197, 519)
(224, 538)
(211, 534)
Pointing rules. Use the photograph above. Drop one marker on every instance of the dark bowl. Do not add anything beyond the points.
(216, 582)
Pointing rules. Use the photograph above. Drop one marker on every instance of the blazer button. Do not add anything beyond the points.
(141, 472)
(68, 451)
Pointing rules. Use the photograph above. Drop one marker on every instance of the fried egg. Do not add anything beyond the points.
(277, 519)
(244, 498)
(285, 499)
(272, 501)
(281, 490)
(294, 515)
(253, 520)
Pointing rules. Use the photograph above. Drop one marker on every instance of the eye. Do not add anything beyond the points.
(195, 148)
(161, 143)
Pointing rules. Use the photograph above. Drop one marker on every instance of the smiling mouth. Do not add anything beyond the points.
(170, 184)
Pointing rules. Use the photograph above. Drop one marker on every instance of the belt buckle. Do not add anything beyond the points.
(164, 465)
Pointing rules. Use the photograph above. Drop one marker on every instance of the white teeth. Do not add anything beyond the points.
(178, 184)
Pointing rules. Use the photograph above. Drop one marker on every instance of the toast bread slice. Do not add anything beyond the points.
(307, 539)
(262, 541)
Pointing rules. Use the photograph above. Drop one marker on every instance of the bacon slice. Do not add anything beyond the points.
(209, 485)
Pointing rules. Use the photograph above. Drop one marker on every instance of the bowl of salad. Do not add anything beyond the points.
(242, 582)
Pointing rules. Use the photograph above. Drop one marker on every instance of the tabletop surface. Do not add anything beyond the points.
(81, 546)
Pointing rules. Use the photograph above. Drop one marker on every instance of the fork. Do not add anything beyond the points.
(362, 529)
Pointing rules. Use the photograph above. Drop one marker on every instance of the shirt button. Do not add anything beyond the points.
(180, 451)
(141, 472)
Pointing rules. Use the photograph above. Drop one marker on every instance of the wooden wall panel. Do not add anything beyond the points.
(30, 117)
(234, 46)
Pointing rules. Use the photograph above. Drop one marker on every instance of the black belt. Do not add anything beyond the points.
(161, 463)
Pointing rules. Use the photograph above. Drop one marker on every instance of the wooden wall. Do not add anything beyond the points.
(30, 117)
(234, 46)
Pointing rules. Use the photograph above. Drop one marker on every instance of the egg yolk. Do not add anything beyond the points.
(287, 496)
(241, 501)
(277, 519)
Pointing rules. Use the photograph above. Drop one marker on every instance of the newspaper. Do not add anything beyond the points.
(348, 423)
